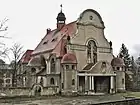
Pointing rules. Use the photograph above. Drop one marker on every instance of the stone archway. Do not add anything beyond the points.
(37, 89)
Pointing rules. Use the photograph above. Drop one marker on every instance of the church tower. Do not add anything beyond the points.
(60, 19)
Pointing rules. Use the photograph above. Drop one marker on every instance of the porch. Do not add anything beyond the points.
(96, 83)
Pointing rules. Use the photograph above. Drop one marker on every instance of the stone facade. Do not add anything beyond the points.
(76, 58)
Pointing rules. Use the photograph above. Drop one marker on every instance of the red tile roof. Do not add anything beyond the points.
(26, 56)
(117, 62)
(69, 58)
(54, 41)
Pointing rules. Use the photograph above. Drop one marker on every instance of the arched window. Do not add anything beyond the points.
(73, 82)
(41, 81)
(33, 70)
(52, 81)
(7, 80)
(1, 82)
(123, 81)
(62, 85)
(1, 74)
(73, 67)
(65, 50)
(7, 74)
(43, 62)
(52, 65)
(118, 68)
(92, 52)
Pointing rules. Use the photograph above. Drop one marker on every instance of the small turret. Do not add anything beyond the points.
(60, 19)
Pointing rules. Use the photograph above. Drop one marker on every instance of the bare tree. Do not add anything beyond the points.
(3, 27)
(17, 52)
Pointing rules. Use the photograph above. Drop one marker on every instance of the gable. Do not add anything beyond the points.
(102, 67)
(90, 16)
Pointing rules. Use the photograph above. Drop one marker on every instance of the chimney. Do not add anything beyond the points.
(48, 30)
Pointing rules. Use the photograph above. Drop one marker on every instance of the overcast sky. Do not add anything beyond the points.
(29, 19)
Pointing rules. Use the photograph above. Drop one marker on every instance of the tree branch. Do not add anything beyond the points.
(2, 28)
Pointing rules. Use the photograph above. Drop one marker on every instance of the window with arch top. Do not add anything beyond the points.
(92, 52)
(43, 61)
(73, 82)
(41, 81)
(52, 65)
(52, 81)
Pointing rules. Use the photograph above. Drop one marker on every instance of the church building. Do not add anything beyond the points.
(76, 58)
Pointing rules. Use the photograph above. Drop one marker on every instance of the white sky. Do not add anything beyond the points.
(29, 19)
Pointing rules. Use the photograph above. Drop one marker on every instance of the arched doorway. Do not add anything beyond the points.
(37, 89)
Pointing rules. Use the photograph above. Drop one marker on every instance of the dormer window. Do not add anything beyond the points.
(45, 42)
(54, 39)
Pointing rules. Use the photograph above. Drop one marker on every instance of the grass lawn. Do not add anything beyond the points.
(131, 94)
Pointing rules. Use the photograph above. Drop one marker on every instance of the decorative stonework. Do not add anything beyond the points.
(77, 47)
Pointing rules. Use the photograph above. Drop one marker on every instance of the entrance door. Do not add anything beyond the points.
(82, 83)
(102, 84)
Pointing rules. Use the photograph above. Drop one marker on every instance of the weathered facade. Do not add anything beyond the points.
(23, 71)
(76, 58)
(6, 73)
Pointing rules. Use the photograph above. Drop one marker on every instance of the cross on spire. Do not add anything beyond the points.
(61, 7)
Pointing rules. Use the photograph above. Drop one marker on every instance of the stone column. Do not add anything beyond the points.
(90, 83)
(86, 88)
(65, 79)
(91, 53)
(111, 84)
(48, 67)
(92, 79)
(78, 82)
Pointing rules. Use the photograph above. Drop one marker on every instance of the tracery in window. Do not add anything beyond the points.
(92, 52)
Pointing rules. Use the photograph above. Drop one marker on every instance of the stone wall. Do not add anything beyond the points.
(50, 91)
(15, 92)
(22, 91)
(135, 101)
